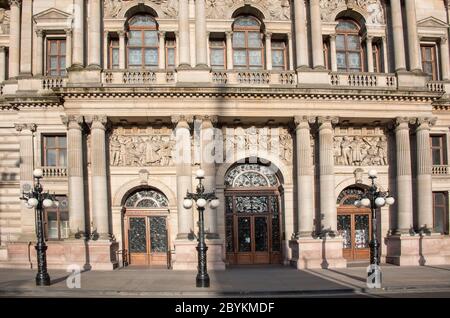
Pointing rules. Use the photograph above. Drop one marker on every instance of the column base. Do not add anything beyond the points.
(186, 256)
(317, 253)
(418, 250)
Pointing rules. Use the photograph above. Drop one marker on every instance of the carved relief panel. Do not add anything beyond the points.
(373, 9)
(139, 147)
(221, 9)
(360, 147)
(115, 8)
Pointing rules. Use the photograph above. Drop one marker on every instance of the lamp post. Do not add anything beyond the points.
(39, 200)
(201, 198)
(374, 198)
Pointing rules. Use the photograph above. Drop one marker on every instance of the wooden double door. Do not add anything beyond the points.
(354, 224)
(147, 238)
(253, 228)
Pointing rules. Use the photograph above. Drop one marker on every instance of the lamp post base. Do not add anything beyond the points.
(202, 281)
(42, 279)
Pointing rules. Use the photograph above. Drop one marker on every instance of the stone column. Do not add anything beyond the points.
(26, 38)
(229, 35)
(26, 136)
(100, 208)
(183, 29)
(122, 49)
(445, 59)
(208, 49)
(413, 38)
(39, 52)
(183, 163)
(75, 175)
(399, 42)
(208, 164)
(200, 34)
(162, 50)
(291, 52)
(78, 34)
(385, 55)
(177, 48)
(94, 34)
(404, 178)
(305, 175)
(14, 36)
(2, 64)
(268, 51)
(333, 53)
(105, 49)
(316, 35)
(424, 177)
(301, 37)
(68, 47)
(326, 164)
(370, 67)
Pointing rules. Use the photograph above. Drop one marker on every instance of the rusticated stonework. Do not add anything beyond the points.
(219, 9)
(360, 147)
(373, 8)
(140, 147)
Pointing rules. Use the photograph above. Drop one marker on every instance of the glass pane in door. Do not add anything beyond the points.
(244, 234)
(361, 231)
(158, 234)
(137, 236)
(261, 234)
(344, 229)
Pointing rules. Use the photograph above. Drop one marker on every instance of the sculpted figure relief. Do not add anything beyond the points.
(168, 7)
(360, 150)
(277, 9)
(4, 21)
(374, 9)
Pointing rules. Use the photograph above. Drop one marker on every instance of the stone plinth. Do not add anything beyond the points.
(84, 77)
(411, 80)
(406, 250)
(186, 257)
(193, 75)
(311, 78)
(317, 253)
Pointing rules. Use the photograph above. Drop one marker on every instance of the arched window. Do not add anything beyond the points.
(142, 47)
(348, 46)
(147, 198)
(247, 43)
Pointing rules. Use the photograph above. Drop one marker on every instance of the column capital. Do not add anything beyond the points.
(16, 3)
(2, 48)
(333, 120)
(228, 33)
(211, 118)
(268, 34)
(39, 32)
(444, 39)
(182, 119)
(425, 123)
(333, 36)
(68, 31)
(161, 33)
(72, 121)
(97, 121)
(304, 121)
(21, 127)
(121, 33)
(369, 38)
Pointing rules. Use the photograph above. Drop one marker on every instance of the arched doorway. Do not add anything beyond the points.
(354, 224)
(145, 222)
(252, 215)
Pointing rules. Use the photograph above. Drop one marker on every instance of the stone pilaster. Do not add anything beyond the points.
(397, 26)
(75, 166)
(268, 37)
(39, 52)
(2, 64)
(26, 38)
(78, 35)
(316, 35)
(26, 140)
(385, 55)
(305, 175)
(370, 66)
(14, 35)
(200, 34)
(333, 53)
(290, 52)
(183, 29)
(122, 49)
(301, 37)
(183, 162)
(424, 177)
(162, 50)
(445, 59)
(326, 168)
(94, 34)
(229, 43)
(413, 38)
(68, 47)
(100, 208)
(404, 178)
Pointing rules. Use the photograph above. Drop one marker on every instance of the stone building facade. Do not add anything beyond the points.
(286, 105)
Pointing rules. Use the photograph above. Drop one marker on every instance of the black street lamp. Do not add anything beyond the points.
(201, 198)
(39, 200)
(374, 198)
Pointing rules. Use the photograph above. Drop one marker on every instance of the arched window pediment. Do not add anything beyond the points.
(142, 20)
(251, 176)
(147, 198)
(349, 195)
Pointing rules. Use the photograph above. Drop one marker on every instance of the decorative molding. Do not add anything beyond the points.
(30, 127)
(372, 10)
(118, 8)
(278, 10)
(72, 121)
(16, 3)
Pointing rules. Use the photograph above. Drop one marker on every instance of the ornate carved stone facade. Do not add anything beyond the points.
(141, 147)
(113, 8)
(4, 21)
(219, 9)
(373, 9)
(360, 147)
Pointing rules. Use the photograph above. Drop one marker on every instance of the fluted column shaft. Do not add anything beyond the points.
(413, 38)
(268, 51)
(399, 42)
(304, 177)
(78, 34)
(424, 177)
(316, 34)
(183, 159)
(200, 34)
(39, 52)
(326, 163)
(370, 66)
(229, 43)
(94, 33)
(404, 179)
(26, 41)
(122, 49)
(99, 178)
(14, 36)
(75, 175)
(301, 37)
(183, 29)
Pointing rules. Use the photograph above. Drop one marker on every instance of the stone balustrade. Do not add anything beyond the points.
(435, 86)
(50, 82)
(363, 80)
(138, 77)
(54, 172)
(285, 78)
(440, 169)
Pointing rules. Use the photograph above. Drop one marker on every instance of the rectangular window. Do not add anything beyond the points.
(438, 150)
(54, 150)
(429, 61)
(440, 213)
(114, 54)
(279, 55)
(56, 57)
(170, 53)
(57, 220)
(217, 54)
